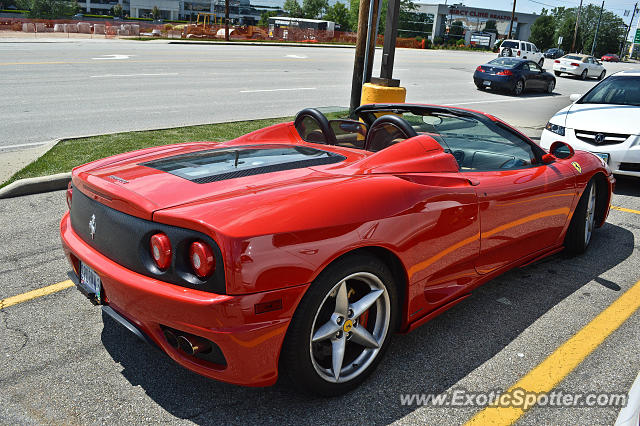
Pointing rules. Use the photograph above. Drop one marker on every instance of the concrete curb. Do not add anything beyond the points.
(248, 43)
(36, 185)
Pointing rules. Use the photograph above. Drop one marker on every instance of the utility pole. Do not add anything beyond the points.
(226, 20)
(513, 15)
(372, 37)
(595, 37)
(358, 62)
(575, 31)
(389, 48)
(624, 42)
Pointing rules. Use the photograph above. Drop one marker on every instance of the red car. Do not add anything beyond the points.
(299, 248)
(610, 57)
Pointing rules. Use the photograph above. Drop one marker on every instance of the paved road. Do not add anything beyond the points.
(54, 90)
(62, 362)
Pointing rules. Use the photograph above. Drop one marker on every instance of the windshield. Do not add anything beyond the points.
(573, 57)
(505, 62)
(616, 91)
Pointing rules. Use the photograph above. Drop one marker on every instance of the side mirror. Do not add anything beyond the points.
(560, 150)
(574, 97)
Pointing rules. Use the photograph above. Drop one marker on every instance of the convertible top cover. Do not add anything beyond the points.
(229, 163)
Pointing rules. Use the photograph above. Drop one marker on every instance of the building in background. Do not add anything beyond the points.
(475, 19)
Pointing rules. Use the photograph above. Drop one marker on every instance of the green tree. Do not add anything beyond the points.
(117, 10)
(313, 9)
(543, 32)
(155, 13)
(491, 26)
(293, 8)
(264, 17)
(339, 14)
(48, 9)
(406, 6)
(456, 28)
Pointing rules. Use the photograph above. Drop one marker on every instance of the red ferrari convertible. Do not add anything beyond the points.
(299, 248)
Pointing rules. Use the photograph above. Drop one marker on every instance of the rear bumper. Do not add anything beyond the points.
(250, 342)
(497, 81)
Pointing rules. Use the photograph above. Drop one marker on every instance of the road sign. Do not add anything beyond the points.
(559, 40)
(636, 39)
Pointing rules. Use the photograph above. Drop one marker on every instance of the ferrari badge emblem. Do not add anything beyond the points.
(92, 226)
(348, 325)
(577, 166)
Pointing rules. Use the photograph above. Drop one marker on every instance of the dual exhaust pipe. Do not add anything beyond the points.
(187, 343)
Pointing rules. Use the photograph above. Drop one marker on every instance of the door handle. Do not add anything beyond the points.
(473, 181)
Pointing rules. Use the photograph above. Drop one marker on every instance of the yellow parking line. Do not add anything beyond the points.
(44, 291)
(566, 358)
(622, 209)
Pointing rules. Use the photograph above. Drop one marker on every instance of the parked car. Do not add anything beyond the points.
(299, 248)
(604, 121)
(584, 66)
(553, 53)
(522, 50)
(513, 75)
(610, 57)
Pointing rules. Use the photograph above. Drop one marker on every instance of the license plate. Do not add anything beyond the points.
(90, 280)
(487, 83)
(603, 155)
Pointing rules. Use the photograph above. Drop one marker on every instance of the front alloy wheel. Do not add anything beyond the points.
(341, 327)
(518, 88)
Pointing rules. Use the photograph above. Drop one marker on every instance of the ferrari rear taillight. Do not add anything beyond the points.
(161, 250)
(202, 259)
(504, 72)
(557, 61)
(479, 69)
(69, 194)
(574, 64)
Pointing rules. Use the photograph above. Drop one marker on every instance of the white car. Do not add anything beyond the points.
(522, 50)
(578, 64)
(604, 121)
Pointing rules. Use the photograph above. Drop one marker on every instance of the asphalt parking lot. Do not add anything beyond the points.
(61, 361)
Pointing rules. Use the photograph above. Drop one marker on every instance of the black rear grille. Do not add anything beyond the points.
(125, 240)
(629, 167)
(600, 138)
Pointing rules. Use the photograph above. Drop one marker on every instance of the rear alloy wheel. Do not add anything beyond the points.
(602, 74)
(557, 73)
(518, 88)
(583, 221)
(583, 75)
(551, 86)
(341, 328)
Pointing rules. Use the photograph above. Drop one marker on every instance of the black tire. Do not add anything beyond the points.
(602, 74)
(506, 52)
(557, 73)
(518, 88)
(480, 87)
(299, 361)
(584, 75)
(550, 86)
(577, 239)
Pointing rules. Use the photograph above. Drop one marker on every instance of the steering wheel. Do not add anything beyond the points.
(385, 130)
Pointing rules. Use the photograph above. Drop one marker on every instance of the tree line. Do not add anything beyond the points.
(561, 21)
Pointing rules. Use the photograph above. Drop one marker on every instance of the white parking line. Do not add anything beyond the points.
(133, 75)
(277, 90)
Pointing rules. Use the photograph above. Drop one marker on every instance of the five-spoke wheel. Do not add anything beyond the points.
(341, 327)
